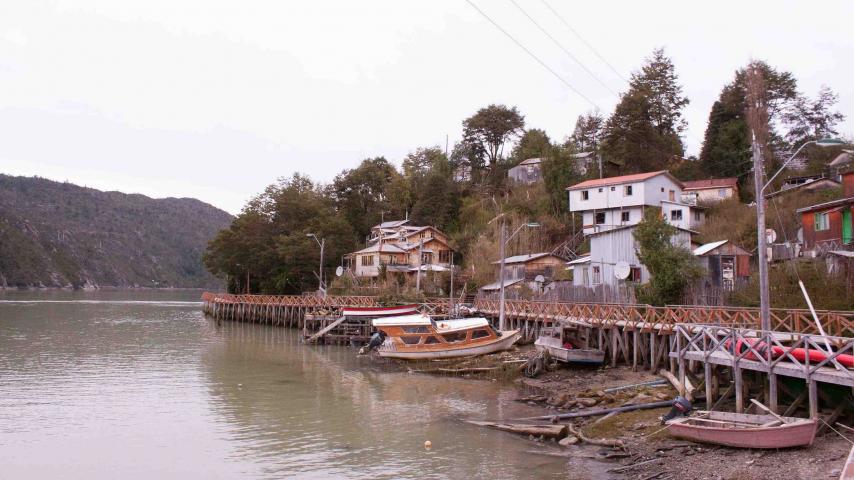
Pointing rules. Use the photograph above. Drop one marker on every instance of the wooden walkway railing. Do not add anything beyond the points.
(644, 317)
(640, 317)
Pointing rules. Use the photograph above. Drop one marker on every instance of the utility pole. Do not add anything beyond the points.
(762, 247)
(420, 261)
(451, 297)
(757, 119)
(501, 241)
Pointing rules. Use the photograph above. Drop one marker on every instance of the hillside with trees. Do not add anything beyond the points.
(55, 234)
(466, 192)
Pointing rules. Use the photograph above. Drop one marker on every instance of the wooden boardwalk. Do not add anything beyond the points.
(684, 339)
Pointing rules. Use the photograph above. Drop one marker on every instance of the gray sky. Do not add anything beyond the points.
(215, 99)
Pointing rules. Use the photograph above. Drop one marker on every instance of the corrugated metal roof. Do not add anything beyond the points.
(708, 247)
(580, 260)
(710, 183)
(392, 224)
(602, 182)
(522, 258)
(531, 161)
(820, 206)
(387, 248)
(496, 285)
(842, 253)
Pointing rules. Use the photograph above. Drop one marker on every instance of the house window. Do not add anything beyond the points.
(613, 188)
(368, 261)
(722, 192)
(822, 222)
(635, 274)
(627, 191)
(600, 218)
(671, 195)
(585, 195)
(662, 189)
(597, 276)
(444, 256)
(426, 257)
(697, 216)
(624, 216)
(585, 276)
(676, 214)
(600, 189)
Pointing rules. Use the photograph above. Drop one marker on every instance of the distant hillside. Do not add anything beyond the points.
(56, 234)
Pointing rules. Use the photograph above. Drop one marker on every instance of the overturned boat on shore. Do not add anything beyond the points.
(418, 337)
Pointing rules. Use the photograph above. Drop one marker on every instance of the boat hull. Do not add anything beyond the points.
(848, 471)
(799, 433)
(570, 355)
(505, 341)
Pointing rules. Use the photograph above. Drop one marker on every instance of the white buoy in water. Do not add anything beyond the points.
(428, 445)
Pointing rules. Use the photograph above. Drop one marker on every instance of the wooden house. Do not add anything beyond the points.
(828, 226)
(711, 190)
(527, 172)
(525, 269)
(725, 262)
(402, 248)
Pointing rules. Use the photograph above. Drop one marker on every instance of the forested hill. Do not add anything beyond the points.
(56, 234)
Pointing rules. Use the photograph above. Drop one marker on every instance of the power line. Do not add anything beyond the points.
(563, 20)
(565, 50)
(529, 52)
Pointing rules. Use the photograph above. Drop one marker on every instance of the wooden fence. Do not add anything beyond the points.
(643, 317)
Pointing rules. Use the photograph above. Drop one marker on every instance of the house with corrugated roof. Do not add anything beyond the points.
(533, 269)
(709, 190)
(403, 248)
(527, 172)
(614, 202)
(828, 226)
(725, 262)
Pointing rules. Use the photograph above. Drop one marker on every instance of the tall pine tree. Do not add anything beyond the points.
(643, 132)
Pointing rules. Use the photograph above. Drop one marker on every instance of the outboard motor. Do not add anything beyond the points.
(681, 407)
(376, 340)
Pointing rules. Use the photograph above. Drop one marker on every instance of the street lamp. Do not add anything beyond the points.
(322, 243)
(764, 294)
(502, 243)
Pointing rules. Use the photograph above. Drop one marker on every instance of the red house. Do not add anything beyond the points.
(827, 226)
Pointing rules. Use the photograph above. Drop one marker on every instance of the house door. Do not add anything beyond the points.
(846, 226)
(727, 272)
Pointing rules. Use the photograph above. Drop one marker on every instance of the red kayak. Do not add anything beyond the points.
(801, 354)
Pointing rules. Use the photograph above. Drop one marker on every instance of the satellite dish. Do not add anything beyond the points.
(801, 234)
(622, 270)
(339, 271)
(770, 235)
(539, 279)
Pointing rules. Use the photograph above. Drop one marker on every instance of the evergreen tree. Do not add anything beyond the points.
(534, 143)
(643, 132)
(587, 132)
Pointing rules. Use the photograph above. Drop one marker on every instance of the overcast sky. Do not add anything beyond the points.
(216, 99)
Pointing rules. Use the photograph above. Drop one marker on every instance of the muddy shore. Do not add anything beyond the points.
(648, 452)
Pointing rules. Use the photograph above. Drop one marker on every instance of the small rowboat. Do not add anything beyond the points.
(558, 351)
(418, 337)
(744, 430)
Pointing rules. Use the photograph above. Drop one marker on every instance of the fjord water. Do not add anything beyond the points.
(140, 385)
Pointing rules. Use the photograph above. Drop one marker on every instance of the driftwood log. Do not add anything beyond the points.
(547, 431)
(688, 388)
(599, 411)
(603, 442)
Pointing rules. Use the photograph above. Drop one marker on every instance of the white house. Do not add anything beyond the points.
(613, 246)
(711, 190)
(614, 202)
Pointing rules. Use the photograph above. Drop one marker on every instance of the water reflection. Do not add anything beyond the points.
(111, 387)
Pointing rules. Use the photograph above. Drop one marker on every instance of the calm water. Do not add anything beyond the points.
(142, 385)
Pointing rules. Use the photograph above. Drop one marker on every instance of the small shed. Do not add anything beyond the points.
(530, 265)
(725, 262)
(527, 172)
